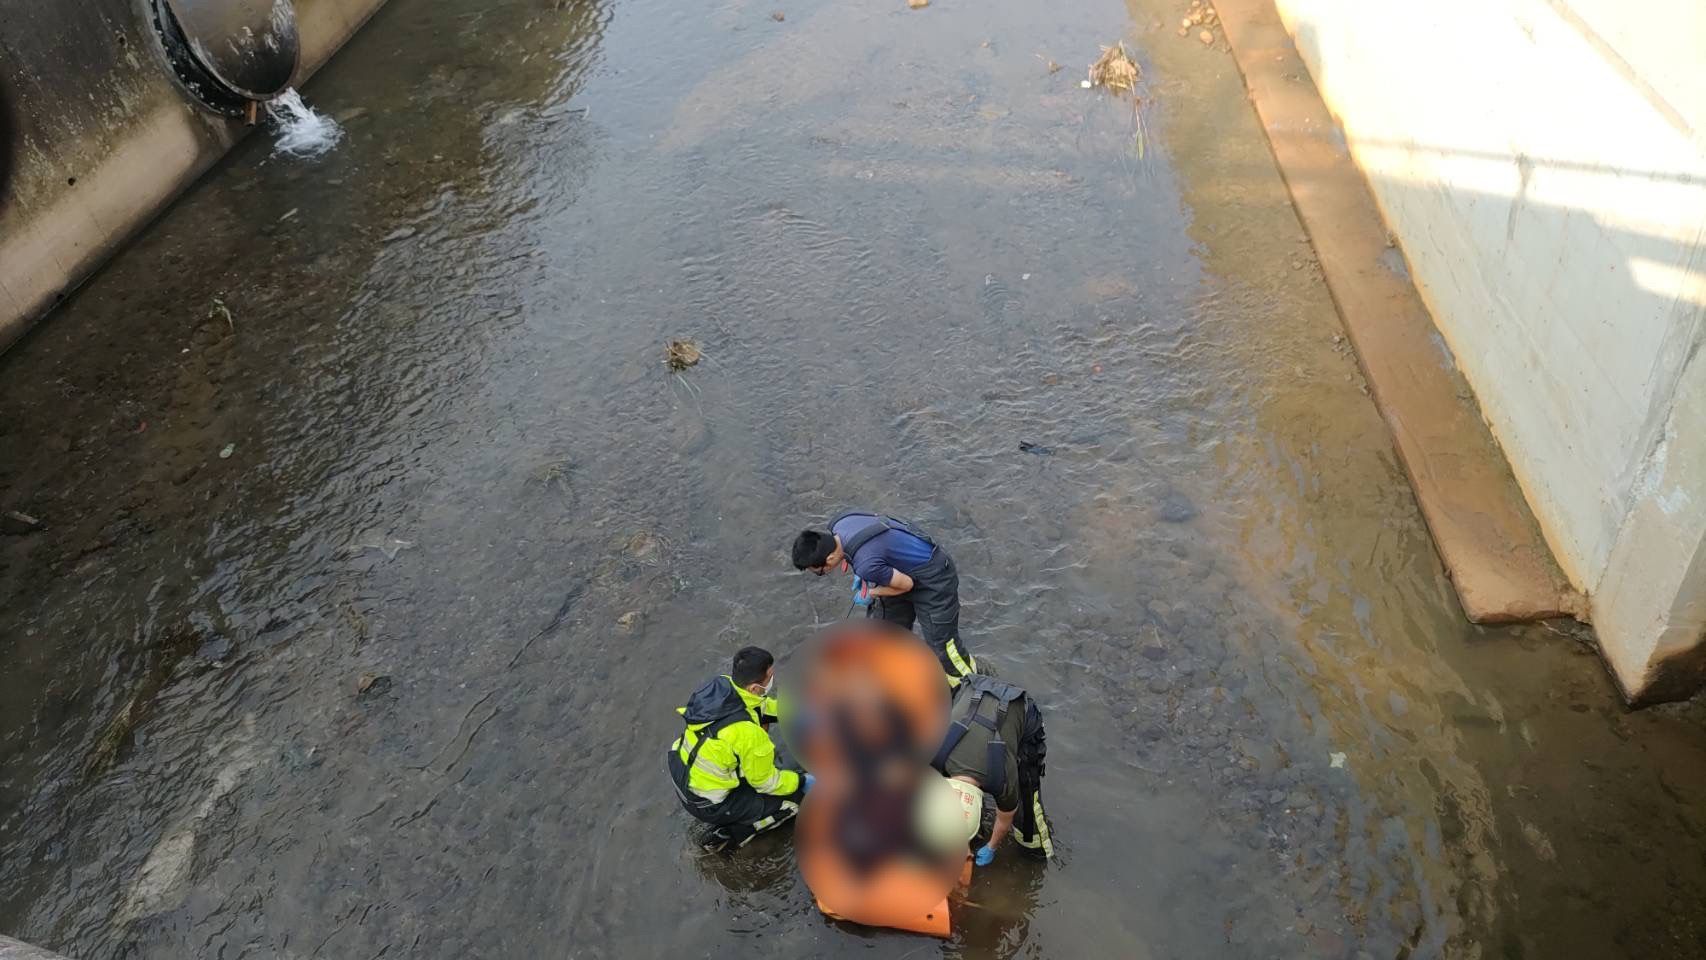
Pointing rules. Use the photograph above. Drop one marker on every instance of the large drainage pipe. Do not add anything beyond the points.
(109, 108)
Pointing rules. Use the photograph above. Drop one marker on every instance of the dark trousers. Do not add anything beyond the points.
(1031, 826)
(743, 814)
(934, 604)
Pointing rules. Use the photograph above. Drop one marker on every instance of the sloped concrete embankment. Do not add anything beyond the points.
(106, 114)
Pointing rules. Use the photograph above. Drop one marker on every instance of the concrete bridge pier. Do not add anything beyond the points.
(1651, 615)
(1563, 265)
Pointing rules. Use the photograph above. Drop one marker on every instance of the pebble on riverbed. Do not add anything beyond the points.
(17, 522)
(1175, 507)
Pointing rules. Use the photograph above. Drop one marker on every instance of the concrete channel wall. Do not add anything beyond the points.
(98, 132)
(15, 950)
(1542, 165)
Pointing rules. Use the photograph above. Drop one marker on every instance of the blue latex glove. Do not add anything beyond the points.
(984, 856)
(809, 781)
(860, 596)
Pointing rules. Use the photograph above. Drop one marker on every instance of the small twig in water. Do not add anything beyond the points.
(556, 621)
(459, 726)
(469, 742)
(692, 394)
(806, 587)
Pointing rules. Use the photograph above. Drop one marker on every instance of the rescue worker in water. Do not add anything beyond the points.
(724, 764)
(995, 745)
(899, 575)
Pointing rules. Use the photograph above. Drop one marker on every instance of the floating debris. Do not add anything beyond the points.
(778, 16)
(627, 620)
(391, 547)
(1114, 70)
(553, 473)
(221, 309)
(1026, 446)
(918, 4)
(681, 354)
(372, 683)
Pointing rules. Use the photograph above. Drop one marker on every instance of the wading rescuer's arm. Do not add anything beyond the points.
(899, 583)
(1003, 826)
(1006, 809)
(757, 758)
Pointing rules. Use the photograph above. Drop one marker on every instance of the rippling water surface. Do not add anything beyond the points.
(906, 247)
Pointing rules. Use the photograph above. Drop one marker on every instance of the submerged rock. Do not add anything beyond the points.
(1175, 507)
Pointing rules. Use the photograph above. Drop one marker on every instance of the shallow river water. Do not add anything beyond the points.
(906, 247)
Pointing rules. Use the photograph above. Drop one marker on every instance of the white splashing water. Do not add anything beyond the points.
(301, 131)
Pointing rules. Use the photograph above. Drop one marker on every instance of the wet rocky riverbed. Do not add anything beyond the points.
(382, 543)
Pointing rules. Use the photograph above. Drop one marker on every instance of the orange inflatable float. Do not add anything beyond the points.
(899, 897)
(874, 709)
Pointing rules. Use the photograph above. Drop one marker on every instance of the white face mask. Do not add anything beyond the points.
(771, 685)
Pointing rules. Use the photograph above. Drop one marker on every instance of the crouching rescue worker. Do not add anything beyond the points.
(899, 575)
(724, 763)
(995, 746)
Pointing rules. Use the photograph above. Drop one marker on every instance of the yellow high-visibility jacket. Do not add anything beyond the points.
(737, 747)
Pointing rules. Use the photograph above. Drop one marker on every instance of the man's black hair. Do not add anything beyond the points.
(750, 666)
(812, 549)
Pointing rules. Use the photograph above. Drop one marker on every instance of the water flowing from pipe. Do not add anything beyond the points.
(302, 131)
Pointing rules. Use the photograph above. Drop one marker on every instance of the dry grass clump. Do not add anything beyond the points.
(680, 354)
(1114, 70)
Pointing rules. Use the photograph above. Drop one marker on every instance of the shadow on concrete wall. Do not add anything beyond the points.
(1648, 275)
(7, 145)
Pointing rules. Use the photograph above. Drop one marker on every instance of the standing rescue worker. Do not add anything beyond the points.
(724, 763)
(900, 575)
(995, 745)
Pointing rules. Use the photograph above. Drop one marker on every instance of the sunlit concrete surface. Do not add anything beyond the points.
(1541, 163)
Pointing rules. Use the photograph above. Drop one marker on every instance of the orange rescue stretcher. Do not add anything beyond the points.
(868, 682)
(900, 899)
